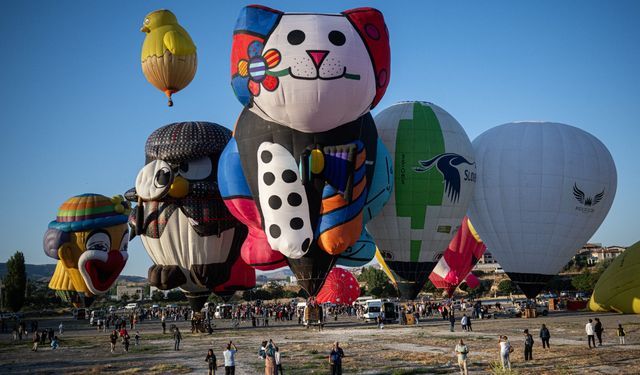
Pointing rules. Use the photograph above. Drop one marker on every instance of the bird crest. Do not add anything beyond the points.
(447, 164)
(585, 200)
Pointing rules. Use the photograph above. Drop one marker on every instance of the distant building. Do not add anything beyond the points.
(593, 253)
(487, 258)
(135, 293)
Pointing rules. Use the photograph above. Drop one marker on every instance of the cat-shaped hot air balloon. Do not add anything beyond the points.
(306, 140)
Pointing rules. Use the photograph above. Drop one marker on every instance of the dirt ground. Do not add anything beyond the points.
(423, 349)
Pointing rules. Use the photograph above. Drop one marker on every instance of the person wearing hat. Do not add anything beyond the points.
(89, 238)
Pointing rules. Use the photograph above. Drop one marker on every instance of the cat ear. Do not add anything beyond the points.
(369, 23)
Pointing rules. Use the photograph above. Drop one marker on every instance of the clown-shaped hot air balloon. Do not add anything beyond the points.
(306, 141)
(169, 59)
(185, 227)
(543, 190)
(89, 238)
(463, 252)
(434, 182)
(341, 287)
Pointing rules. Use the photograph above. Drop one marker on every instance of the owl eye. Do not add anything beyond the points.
(99, 241)
(296, 37)
(147, 21)
(162, 178)
(337, 38)
(196, 169)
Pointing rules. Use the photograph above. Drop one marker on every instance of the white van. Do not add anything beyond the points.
(223, 311)
(374, 307)
(131, 306)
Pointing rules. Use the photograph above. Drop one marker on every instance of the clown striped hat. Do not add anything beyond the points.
(90, 211)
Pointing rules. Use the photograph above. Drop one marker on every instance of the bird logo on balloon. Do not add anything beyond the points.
(447, 164)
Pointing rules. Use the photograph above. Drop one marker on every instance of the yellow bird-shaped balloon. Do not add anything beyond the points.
(169, 59)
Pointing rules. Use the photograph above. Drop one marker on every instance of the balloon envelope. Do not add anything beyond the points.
(543, 190)
(618, 288)
(434, 181)
(341, 287)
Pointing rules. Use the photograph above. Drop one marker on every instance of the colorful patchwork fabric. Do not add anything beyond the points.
(90, 211)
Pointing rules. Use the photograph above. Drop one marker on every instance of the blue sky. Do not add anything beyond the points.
(75, 109)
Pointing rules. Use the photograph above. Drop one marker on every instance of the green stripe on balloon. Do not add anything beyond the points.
(419, 138)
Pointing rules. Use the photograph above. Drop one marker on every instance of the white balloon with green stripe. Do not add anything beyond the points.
(435, 177)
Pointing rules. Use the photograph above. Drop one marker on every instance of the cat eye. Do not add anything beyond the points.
(337, 38)
(295, 37)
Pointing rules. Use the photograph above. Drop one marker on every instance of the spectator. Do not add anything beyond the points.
(176, 339)
(463, 322)
(528, 345)
(137, 338)
(211, 360)
(545, 336)
(36, 341)
(505, 350)
(335, 359)
(61, 328)
(461, 352)
(230, 359)
(54, 343)
(621, 334)
(270, 360)
(278, 362)
(113, 338)
(598, 330)
(589, 330)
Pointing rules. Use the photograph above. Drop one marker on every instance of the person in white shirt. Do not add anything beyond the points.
(230, 359)
(464, 321)
(505, 350)
(461, 352)
(278, 364)
(590, 333)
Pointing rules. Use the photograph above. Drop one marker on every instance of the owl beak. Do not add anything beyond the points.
(179, 187)
(144, 29)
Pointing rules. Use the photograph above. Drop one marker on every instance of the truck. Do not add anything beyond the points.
(374, 307)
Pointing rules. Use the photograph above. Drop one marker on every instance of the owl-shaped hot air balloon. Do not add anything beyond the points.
(89, 238)
(184, 225)
(169, 59)
(306, 141)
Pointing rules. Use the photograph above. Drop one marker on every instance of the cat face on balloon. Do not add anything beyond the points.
(310, 72)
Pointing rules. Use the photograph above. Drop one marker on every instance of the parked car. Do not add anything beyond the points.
(131, 306)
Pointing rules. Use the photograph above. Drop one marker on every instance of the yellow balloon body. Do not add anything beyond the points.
(618, 289)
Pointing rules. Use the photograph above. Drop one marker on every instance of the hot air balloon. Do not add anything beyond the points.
(434, 181)
(340, 287)
(169, 58)
(181, 219)
(543, 190)
(618, 288)
(89, 238)
(462, 254)
(306, 140)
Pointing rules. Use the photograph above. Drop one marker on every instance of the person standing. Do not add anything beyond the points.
(505, 350)
(113, 338)
(125, 342)
(278, 362)
(177, 337)
(621, 334)
(452, 319)
(335, 359)
(462, 351)
(36, 341)
(164, 324)
(211, 360)
(598, 330)
(230, 359)
(61, 328)
(528, 345)
(137, 338)
(270, 360)
(545, 336)
(590, 333)
(54, 343)
(463, 322)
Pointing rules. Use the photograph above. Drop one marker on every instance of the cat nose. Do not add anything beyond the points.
(317, 56)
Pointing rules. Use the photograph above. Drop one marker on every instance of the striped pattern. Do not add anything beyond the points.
(272, 58)
(340, 221)
(243, 68)
(257, 69)
(85, 207)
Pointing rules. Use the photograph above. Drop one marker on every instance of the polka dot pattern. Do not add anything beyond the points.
(340, 287)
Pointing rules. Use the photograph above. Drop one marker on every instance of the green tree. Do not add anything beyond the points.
(157, 296)
(377, 283)
(176, 295)
(584, 282)
(125, 298)
(506, 287)
(15, 282)
(275, 290)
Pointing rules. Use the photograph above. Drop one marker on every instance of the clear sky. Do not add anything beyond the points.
(76, 110)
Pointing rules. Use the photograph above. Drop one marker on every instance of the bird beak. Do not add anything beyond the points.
(144, 29)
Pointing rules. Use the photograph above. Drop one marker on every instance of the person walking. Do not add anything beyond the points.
(590, 333)
(177, 337)
(452, 320)
(335, 359)
(54, 343)
(545, 336)
(36, 341)
(113, 338)
(598, 330)
(230, 359)
(621, 334)
(278, 362)
(463, 322)
(61, 329)
(137, 338)
(528, 345)
(164, 324)
(125, 341)
(270, 360)
(211, 360)
(505, 350)
(462, 351)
